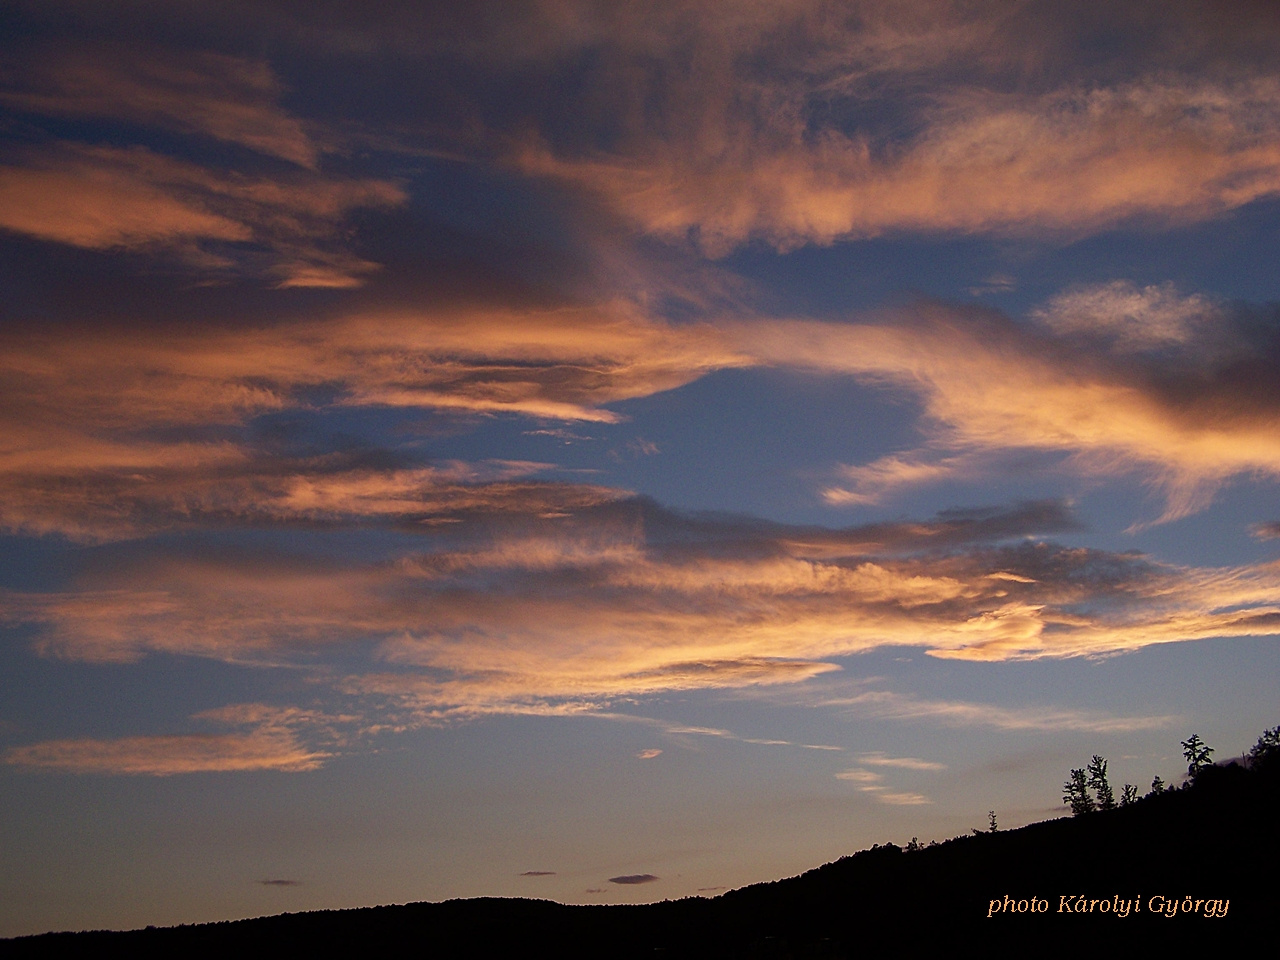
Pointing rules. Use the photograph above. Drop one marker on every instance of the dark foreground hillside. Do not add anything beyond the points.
(1188, 867)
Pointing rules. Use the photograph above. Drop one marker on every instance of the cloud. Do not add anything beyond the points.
(164, 756)
(873, 481)
(105, 198)
(904, 763)
(249, 214)
(280, 883)
(883, 704)
(538, 873)
(110, 504)
(108, 433)
(634, 878)
(1131, 318)
(648, 754)
(902, 799)
(1185, 418)
(114, 433)
(226, 98)
(1266, 531)
(269, 740)
(792, 123)
(808, 123)
(859, 776)
(564, 616)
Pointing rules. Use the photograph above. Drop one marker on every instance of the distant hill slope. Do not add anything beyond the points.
(1211, 848)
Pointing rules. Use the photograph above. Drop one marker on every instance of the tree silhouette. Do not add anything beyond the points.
(1196, 754)
(991, 815)
(1098, 782)
(1157, 787)
(1076, 793)
(1128, 795)
(1265, 754)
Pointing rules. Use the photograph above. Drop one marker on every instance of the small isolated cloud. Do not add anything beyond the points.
(903, 799)
(634, 878)
(1266, 531)
(878, 759)
(858, 776)
(634, 450)
(996, 283)
(281, 883)
(870, 483)
(648, 754)
(538, 873)
(885, 704)
(568, 436)
(1129, 317)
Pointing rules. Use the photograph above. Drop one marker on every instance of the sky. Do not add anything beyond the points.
(617, 451)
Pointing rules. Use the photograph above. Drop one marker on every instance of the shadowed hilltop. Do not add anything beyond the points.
(1211, 845)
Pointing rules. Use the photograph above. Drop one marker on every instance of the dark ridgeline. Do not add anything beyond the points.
(1215, 839)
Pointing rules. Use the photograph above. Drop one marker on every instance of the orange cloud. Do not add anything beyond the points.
(1185, 425)
(889, 474)
(283, 223)
(1073, 162)
(270, 744)
(108, 197)
(80, 441)
(589, 611)
(227, 98)
(806, 122)
(81, 449)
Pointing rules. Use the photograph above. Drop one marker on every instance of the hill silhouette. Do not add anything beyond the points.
(1104, 879)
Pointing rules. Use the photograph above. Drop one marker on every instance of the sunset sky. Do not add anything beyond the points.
(614, 451)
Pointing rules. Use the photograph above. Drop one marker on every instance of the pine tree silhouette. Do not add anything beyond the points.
(1196, 754)
(1076, 793)
(1098, 782)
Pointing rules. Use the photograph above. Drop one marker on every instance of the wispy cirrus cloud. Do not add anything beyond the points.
(897, 798)
(869, 483)
(902, 763)
(107, 434)
(1073, 161)
(564, 616)
(106, 198)
(1185, 411)
(813, 123)
(885, 704)
(268, 741)
(222, 97)
(282, 221)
